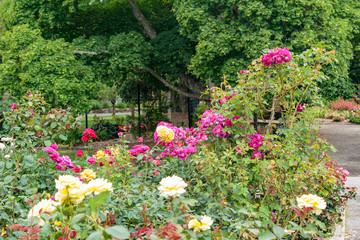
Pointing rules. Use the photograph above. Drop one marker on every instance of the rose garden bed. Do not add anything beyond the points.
(220, 180)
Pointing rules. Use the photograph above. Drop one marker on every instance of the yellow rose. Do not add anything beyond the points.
(98, 185)
(100, 154)
(312, 201)
(88, 174)
(172, 186)
(166, 134)
(70, 187)
(202, 225)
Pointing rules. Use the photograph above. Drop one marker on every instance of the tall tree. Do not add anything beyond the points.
(187, 43)
(31, 63)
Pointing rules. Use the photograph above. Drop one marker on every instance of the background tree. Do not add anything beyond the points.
(109, 94)
(187, 43)
(32, 63)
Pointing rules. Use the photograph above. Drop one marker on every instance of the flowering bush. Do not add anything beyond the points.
(343, 105)
(220, 180)
(24, 170)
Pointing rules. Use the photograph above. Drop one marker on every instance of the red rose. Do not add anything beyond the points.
(84, 139)
(79, 153)
(77, 169)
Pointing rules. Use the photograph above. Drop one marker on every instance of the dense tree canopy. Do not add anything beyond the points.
(31, 63)
(186, 43)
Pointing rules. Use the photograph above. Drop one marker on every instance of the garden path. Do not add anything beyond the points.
(346, 139)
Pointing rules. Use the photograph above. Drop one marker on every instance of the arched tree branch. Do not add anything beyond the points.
(177, 89)
(140, 17)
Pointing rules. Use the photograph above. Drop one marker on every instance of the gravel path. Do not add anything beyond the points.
(346, 139)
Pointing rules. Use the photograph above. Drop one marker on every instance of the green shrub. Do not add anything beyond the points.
(105, 130)
(96, 104)
(355, 119)
(122, 105)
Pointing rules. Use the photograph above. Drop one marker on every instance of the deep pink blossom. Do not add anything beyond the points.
(299, 108)
(13, 106)
(276, 56)
(91, 160)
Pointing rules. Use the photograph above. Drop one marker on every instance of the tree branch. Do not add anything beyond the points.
(89, 52)
(140, 17)
(176, 89)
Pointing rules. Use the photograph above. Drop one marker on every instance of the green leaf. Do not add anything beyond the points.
(8, 179)
(63, 137)
(278, 231)
(267, 236)
(47, 143)
(77, 218)
(118, 232)
(95, 236)
(254, 231)
(53, 125)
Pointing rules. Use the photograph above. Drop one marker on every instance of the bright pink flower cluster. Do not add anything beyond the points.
(13, 106)
(256, 141)
(61, 162)
(88, 133)
(276, 56)
(184, 143)
(139, 149)
(244, 71)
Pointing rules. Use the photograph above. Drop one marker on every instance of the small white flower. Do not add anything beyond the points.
(7, 156)
(6, 139)
(172, 186)
(2, 146)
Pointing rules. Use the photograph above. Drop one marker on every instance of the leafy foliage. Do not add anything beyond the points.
(205, 39)
(31, 63)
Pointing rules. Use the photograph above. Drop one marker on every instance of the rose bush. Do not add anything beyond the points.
(220, 180)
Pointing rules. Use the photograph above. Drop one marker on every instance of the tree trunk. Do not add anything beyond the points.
(132, 110)
(113, 103)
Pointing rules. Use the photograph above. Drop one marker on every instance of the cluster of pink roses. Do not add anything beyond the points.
(215, 123)
(276, 56)
(61, 162)
(139, 149)
(343, 173)
(256, 141)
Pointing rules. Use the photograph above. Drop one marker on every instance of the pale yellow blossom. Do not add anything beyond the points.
(172, 186)
(202, 225)
(312, 201)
